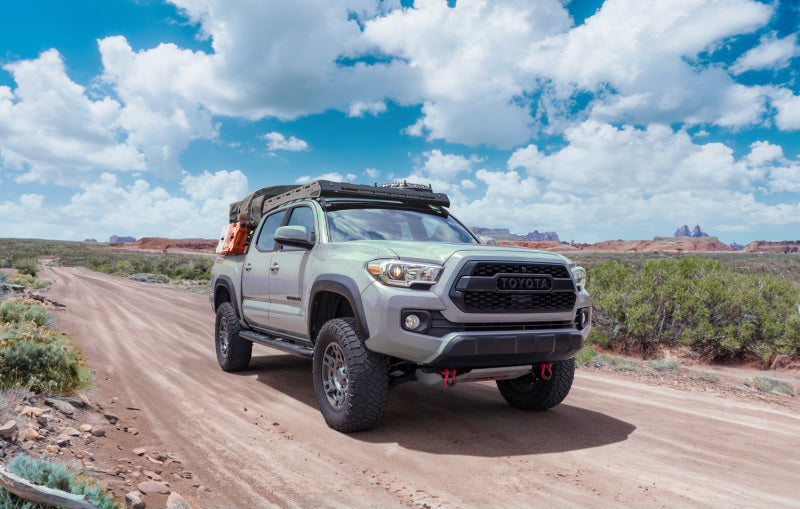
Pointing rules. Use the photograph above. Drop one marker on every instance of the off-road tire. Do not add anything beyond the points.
(350, 381)
(233, 352)
(532, 392)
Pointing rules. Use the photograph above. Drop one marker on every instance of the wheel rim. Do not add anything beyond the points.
(222, 337)
(334, 375)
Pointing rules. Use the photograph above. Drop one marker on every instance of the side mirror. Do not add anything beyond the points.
(295, 236)
(489, 241)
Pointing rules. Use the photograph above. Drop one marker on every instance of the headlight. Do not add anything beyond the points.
(579, 276)
(397, 273)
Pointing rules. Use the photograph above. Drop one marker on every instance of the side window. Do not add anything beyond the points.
(266, 239)
(302, 216)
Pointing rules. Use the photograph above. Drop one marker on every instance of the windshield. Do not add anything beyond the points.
(395, 224)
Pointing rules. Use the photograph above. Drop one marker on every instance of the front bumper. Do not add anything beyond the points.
(493, 349)
(473, 347)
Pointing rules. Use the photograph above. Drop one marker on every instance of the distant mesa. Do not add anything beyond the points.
(762, 246)
(94, 241)
(695, 232)
(121, 240)
(735, 246)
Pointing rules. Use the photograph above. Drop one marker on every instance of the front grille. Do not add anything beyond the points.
(493, 268)
(485, 301)
(479, 291)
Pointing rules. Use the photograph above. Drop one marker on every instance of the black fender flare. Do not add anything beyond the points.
(347, 288)
(226, 282)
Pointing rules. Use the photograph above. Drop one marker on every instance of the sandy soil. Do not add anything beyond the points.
(257, 439)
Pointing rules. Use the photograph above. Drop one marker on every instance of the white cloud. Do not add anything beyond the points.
(358, 109)
(332, 176)
(159, 88)
(277, 141)
(105, 206)
(771, 53)
(607, 183)
(788, 106)
(51, 131)
(372, 172)
(638, 58)
(446, 166)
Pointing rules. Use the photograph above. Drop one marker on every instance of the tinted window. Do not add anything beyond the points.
(266, 239)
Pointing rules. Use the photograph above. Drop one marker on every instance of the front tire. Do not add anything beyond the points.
(351, 382)
(233, 352)
(533, 393)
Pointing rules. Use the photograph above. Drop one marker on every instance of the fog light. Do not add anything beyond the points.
(412, 322)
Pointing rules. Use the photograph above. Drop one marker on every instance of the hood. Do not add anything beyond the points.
(439, 252)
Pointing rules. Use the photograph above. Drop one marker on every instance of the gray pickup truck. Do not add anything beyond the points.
(381, 285)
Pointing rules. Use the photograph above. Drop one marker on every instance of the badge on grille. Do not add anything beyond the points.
(523, 283)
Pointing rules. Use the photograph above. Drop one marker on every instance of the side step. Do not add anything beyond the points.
(302, 351)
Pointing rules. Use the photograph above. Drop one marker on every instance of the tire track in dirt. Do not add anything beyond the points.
(613, 440)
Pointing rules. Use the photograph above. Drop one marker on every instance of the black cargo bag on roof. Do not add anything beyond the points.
(251, 209)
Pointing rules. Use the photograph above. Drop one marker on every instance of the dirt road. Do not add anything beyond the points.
(257, 439)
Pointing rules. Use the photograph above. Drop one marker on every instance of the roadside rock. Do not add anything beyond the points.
(72, 432)
(176, 501)
(31, 434)
(139, 451)
(111, 418)
(31, 411)
(62, 406)
(134, 501)
(149, 487)
(86, 428)
(8, 429)
(98, 432)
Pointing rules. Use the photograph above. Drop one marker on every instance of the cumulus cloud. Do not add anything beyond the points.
(277, 141)
(107, 206)
(52, 131)
(332, 176)
(640, 59)
(606, 183)
(771, 53)
(788, 107)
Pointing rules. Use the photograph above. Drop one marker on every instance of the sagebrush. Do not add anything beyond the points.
(697, 302)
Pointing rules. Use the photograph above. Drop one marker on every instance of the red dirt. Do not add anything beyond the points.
(172, 245)
(256, 438)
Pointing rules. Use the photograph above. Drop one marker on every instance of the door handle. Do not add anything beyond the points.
(248, 267)
(275, 267)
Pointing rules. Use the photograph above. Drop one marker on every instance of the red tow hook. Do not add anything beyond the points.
(547, 370)
(449, 382)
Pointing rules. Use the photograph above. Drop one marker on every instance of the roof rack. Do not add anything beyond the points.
(328, 189)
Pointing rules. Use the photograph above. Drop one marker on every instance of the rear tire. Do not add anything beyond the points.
(533, 393)
(233, 352)
(350, 381)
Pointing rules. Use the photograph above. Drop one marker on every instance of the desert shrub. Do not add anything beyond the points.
(23, 310)
(616, 363)
(27, 266)
(696, 302)
(585, 355)
(60, 477)
(770, 385)
(54, 367)
(36, 357)
(665, 365)
(28, 281)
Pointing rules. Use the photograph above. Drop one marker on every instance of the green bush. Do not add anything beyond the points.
(585, 355)
(28, 281)
(695, 301)
(23, 310)
(26, 266)
(770, 385)
(60, 477)
(36, 357)
(665, 365)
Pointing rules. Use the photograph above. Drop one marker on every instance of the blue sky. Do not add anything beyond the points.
(597, 120)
